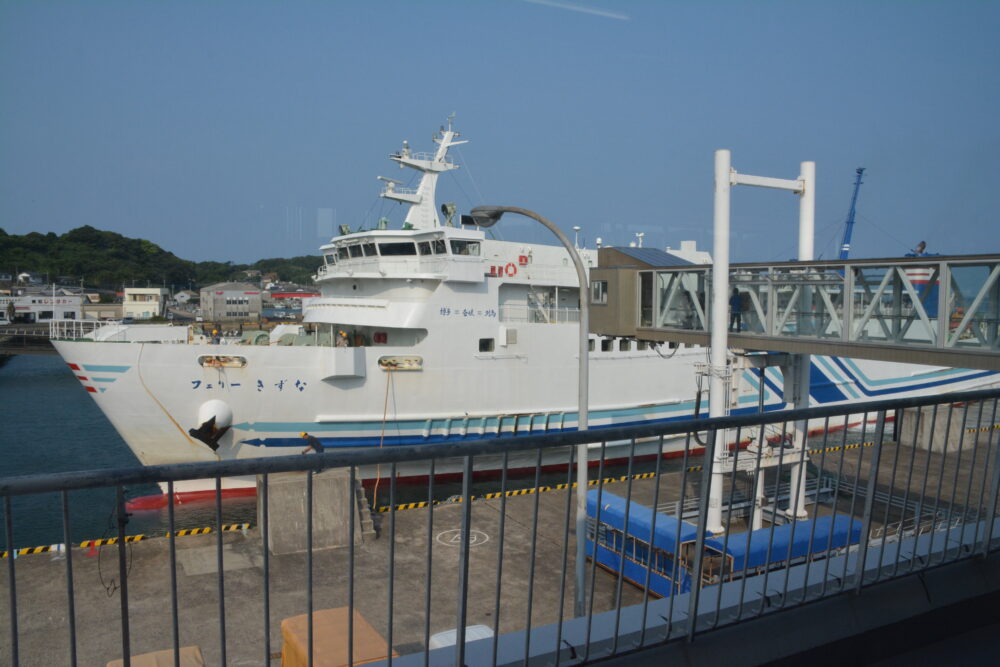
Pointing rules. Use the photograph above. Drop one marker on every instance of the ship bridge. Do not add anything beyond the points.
(936, 310)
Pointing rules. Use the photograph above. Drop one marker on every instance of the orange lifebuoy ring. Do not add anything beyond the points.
(510, 270)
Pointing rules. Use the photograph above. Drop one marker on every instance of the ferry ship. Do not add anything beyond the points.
(427, 333)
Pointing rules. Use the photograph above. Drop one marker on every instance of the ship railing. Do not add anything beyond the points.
(426, 156)
(73, 329)
(891, 518)
(537, 314)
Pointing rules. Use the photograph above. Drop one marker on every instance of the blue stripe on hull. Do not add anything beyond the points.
(824, 390)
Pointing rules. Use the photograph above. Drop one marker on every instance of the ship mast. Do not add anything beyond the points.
(422, 213)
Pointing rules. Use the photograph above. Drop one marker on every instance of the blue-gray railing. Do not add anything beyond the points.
(921, 477)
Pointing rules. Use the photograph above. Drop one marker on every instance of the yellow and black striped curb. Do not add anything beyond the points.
(110, 540)
(33, 550)
(983, 429)
(88, 544)
(562, 487)
(517, 492)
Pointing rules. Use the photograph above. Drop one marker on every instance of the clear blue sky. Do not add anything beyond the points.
(222, 130)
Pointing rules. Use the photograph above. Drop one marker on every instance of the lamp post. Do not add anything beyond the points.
(487, 216)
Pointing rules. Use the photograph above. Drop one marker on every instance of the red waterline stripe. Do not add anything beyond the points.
(81, 378)
(92, 390)
(73, 366)
(180, 497)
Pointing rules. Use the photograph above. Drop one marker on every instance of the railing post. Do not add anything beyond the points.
(707, 475)
(991, 513)
(123, 574)
(869, 500)
(463, 562)
(11, 580)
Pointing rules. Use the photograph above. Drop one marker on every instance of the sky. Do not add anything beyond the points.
(235, 131)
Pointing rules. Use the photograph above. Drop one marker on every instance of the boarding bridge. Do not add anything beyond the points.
(931, 310)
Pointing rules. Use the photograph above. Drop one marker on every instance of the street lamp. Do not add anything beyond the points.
(487, 216)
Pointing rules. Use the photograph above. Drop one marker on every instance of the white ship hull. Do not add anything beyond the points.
(447, 337)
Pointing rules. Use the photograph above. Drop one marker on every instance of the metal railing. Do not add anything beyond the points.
(539, 314)
(949, 304)
(910, 486)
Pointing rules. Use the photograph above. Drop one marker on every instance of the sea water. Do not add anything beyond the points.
(51, 424)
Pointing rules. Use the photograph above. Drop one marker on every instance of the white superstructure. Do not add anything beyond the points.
(423, 334)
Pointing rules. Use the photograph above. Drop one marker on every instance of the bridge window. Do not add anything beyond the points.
(460, 247)
(424, 247)
(599, 291)
(369, 249)
(331, 258)
(342, 253)
(397, 249)
(440, 247)
(355, 250)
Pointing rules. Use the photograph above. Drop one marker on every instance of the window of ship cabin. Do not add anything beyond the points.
(355, 250)
(396, 249)
(624, 345)
(599, 291)
(460, 247)
(590, 344)
(424, 247)
(331, 259)
(485, 344)
(606, 344)
(440, 247)
(369, 249)
(342, 253)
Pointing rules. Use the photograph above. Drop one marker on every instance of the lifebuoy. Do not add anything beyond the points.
(510, 270)
(522, 260)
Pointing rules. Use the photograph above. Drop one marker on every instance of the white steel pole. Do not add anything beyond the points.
(807, 222)
(720, 329)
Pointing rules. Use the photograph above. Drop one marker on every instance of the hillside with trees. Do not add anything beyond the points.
(109, 260)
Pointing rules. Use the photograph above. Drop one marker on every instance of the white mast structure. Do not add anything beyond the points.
(422, 214)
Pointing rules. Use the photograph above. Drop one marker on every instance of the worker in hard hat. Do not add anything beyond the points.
(215, 336)
(341, 339)
(314, 445)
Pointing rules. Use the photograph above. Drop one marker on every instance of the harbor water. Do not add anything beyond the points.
(50, 424)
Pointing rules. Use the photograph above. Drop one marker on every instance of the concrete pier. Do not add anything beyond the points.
(334, 505)
(42, 603)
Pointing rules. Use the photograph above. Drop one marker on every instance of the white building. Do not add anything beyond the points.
(143, 303)
(230, 301)
(185, 296)
(40, 308)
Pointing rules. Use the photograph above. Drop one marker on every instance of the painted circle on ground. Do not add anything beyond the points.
(453, 538)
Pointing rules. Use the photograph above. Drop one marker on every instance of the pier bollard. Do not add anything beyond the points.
(935, 433)
(334, 505)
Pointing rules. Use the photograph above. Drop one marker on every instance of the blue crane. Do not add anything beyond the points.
(845, 246)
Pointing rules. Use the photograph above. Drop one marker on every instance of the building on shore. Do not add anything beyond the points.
(34, 307)
(230, 302)
(144, 303)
